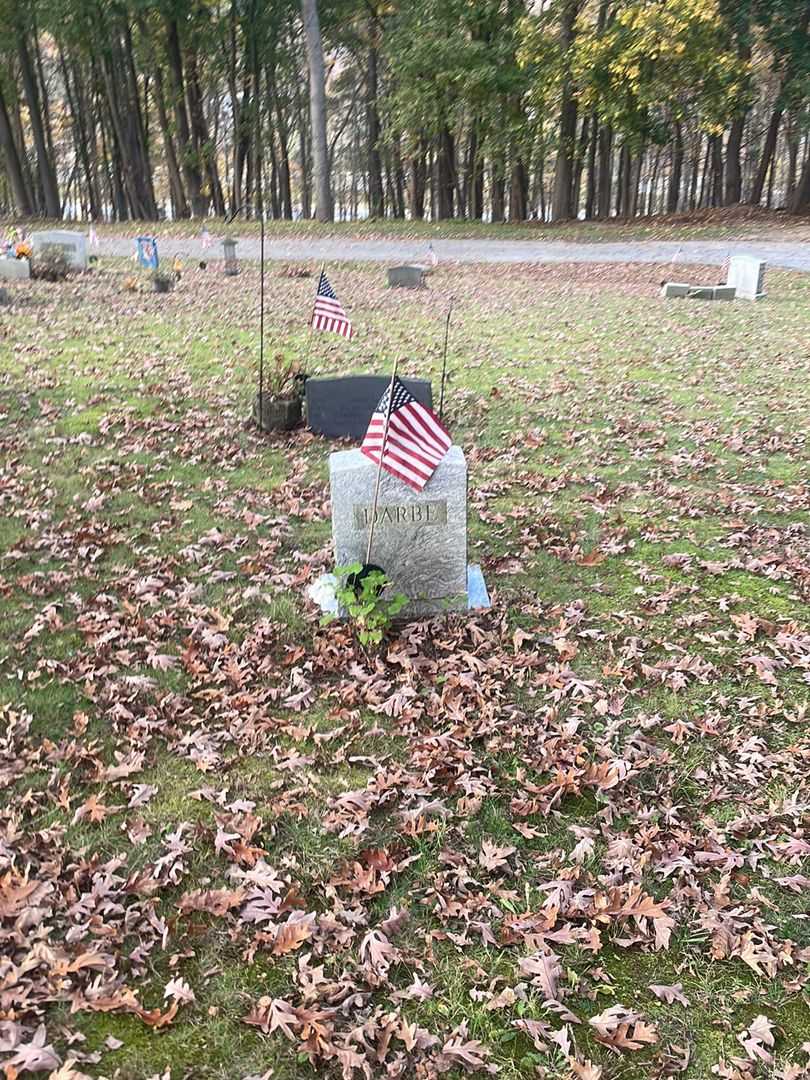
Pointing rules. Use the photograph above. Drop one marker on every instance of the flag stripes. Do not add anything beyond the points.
(328, 313)
(416, 440)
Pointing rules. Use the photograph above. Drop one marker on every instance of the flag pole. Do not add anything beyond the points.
(444, 359)
(379, 466)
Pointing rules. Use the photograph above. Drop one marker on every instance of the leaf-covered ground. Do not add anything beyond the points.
(568, 837)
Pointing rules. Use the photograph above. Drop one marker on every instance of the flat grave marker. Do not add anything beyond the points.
(341, 408)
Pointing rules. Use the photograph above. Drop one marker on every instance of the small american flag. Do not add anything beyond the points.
(417, 440)
(328, 313)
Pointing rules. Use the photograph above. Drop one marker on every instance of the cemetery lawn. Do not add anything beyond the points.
(566, 837)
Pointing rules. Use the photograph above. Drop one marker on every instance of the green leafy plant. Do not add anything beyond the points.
(363, 598)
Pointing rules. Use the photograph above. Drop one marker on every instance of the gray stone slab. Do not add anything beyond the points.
(477, 594)
(680, 290)
(747, 275)
(15, 269)
(675, 290)
(341, 408)
(420, 538)
(725, 292)
(406, 277)
(72, 244)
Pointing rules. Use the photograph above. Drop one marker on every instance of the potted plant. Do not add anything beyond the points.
(278, 408)
(162, 281)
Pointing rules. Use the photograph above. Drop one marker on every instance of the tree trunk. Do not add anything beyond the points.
(801, 193)
(376, 201)
(768, 148)
(47, 175)
(188, 159)
(732, 190)
(497, 184)
(13, 165)
(445, 174)
(605, 170)
(579, 164)
(716, 143)
(518, 191)
(418, 178)
(324, 210)
(590, 190)
(561, 199)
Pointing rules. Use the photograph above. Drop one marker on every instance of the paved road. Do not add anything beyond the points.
(790, 255)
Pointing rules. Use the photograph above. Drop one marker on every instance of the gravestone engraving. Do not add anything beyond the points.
(342, 407)
(747, 275)
(15, 269)
(73, 246)
(406, 277)
(420, 538)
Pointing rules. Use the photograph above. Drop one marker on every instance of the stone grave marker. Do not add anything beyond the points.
(73, 246)
(680, 290)
(747, 275)
(341, 408)
(15, 269)
(420, 538)
(406, 277)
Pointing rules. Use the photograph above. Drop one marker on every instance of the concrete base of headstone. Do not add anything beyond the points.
(477, 594)
(15, 269)
(272, 415)
(406, 277)
(322, 592)
(420, 538)
(680, 290)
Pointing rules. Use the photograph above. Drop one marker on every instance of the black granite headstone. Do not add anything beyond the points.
(341, 408)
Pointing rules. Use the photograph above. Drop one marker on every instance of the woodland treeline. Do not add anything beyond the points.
(491, 109)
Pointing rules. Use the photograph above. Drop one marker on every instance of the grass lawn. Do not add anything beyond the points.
(232, 845)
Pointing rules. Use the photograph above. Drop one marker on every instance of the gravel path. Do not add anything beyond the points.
(790, 255)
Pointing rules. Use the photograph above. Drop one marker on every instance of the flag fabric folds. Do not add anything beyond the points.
(416, 442)
(328, 313)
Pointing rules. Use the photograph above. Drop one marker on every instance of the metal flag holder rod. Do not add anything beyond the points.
(444, 358)
(228, 220)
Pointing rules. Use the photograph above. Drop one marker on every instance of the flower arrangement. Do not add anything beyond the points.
(22, 250)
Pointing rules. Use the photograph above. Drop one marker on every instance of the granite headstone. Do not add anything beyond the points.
(341, 408)
(15, 269)
(406, 277)
(73, 246)
(420, 538)
(747, 275)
